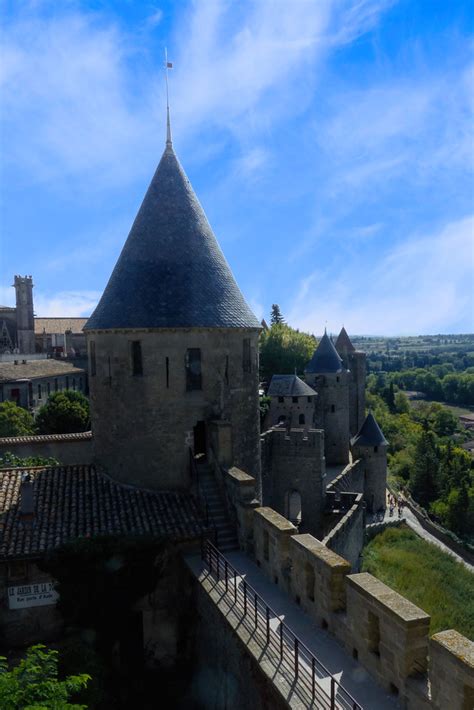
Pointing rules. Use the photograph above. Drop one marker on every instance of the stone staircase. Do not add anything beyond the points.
(218, 515)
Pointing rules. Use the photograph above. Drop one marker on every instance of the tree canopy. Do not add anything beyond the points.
(276, 317)
(34, 683)
(15, 421)
(64, 413)
(284, 350)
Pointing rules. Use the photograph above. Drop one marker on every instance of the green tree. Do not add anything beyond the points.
(9, 460)
(64, 413)
(34, 684)
(276, 317)
(402, 403)
(284, 350)
(15, 421)
(424, 477)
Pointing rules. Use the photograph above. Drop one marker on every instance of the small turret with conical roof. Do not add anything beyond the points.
(370, 446)
(343, 343)
(326, 373)
(173, 345)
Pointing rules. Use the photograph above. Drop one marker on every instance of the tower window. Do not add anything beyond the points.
(295, 400)
(39, 392)
(301, 419)
(67, 382)
(48, 388)
(281, 400)
(246, 361)
(376, 448)
(92, 358)
(333, 408)
(309, 400)
(56, 384)
(193, 369)
(73, 383)
(136, 351)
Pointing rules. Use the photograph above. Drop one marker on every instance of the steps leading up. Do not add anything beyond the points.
(218, 515)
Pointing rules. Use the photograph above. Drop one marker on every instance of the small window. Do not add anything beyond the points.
(92, 358)
(136, 350)
(281, 400)
(302, 419)
(67, 382)
(376, 448)
(333, 408)
(246, 361)
(374, 633)
(74, 381)
(48, 388)
(56, 384)
(337, 379)
(193, 369)
(80, 383)
(309, 400)
(167, 372)
(294, 400)
(39, 392)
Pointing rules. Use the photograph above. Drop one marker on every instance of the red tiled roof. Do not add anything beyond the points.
(78, 501)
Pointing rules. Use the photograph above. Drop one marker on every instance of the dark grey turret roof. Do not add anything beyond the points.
(370, 434)
(289, 386)
(343, 342)
(171, 272)
(325, 358)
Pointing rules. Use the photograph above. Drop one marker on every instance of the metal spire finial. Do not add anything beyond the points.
(168, 65)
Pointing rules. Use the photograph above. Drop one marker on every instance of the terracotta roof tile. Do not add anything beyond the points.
(79, 501)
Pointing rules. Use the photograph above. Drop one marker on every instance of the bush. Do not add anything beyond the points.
(64, 413)
(15, 421)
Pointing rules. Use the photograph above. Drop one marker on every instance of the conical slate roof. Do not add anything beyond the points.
(289, 386)
(325, 358)
(343, 342)
(171, 272)
(370, 434)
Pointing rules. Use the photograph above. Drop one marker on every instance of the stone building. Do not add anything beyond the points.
(370, 446)
(30, 382)
(173, 346)
(355, 363)
(292, 402)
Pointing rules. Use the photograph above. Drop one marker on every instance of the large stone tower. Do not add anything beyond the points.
(356, 362)
(327, 375)
(370, 445)
(173, 346)
(25, 321)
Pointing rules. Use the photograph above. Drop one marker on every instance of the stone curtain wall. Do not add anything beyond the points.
(351, 479)
(347, 536)
(68, 449)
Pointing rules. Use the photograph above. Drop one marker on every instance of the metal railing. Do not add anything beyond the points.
(296, 661)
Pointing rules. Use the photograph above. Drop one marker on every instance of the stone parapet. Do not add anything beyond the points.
(388, 633)
(451, 671)
(272, 534)
(317, 578)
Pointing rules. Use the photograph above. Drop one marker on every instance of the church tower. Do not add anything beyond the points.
(326, 373)
(25, 321)
(173, 346)
(356, 362)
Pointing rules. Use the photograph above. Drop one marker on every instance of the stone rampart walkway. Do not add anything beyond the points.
(321, 644)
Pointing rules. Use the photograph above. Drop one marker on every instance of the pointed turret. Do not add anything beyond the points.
(370, 434)
(171, 272)
(325, 358)
(343, 343)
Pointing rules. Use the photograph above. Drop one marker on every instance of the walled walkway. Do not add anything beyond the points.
(416, 526)
(348, 672)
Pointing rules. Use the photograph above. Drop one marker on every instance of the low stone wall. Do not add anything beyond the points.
(65, 448)
(452, 670)
(375, 529)
(346, 538)
(272, 544)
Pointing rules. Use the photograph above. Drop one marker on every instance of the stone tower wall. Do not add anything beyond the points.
(374, 464)
(143, 424)
(332, 413)
(357, 364)
(292, 411)
(294, 461)
(25, 314)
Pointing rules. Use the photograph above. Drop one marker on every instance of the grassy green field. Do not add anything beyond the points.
(426, 575)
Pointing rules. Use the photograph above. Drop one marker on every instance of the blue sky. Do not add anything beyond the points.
(330, 143)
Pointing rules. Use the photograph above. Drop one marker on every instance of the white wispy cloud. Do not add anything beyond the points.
(423, 285)
(66, 303)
